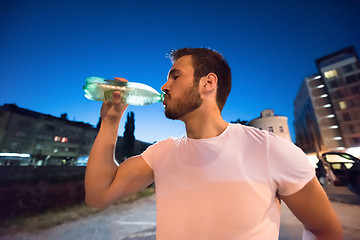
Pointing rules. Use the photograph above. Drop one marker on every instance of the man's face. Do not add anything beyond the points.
(182, 96)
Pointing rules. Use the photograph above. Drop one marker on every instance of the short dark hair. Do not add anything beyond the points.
(207, 61)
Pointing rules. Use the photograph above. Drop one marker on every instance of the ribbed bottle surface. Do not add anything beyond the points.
(138, 94)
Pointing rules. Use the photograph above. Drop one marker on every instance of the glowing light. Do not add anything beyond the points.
(60, 139)
(24, 155)
(320, 86)
(342, 105)
(324, 95)
(327, 105)
(330, 116)
(337, 138)
(330, 74)
(317, 77)
(312, 159)
(340, 148)
(334, 126)
(355, 151)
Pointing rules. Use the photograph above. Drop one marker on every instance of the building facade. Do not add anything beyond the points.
(334, 94)
(305, 125)
(272, 123)
(46, 139)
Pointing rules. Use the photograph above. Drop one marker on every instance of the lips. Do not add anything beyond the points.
(166, 99)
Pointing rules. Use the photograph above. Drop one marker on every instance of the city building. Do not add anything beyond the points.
(29, 137)
(272, 123)
(305, 125)
(327, 106)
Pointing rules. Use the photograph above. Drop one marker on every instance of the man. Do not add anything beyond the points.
(220, 180)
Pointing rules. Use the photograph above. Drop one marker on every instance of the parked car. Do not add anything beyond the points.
(345, 168)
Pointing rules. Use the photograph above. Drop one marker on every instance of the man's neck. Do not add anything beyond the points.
(202, 125)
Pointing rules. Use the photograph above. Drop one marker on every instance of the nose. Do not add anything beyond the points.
(166, 87)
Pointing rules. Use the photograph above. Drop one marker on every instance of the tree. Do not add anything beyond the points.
(238, 121)
(64, 116)
(129, 137)
(130, 127)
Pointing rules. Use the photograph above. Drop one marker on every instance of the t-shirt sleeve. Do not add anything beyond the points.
(289, 166)
(156, 152)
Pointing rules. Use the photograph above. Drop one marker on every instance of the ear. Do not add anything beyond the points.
(209, 82)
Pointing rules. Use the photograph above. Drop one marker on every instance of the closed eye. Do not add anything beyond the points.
(174, 74)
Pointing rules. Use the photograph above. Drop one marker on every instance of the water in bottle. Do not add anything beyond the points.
(99, 89)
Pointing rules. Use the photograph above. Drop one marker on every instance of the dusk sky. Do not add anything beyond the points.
(48, 49)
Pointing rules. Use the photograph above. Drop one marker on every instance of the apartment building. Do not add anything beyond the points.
(306, 128)
(329, 102)
(43, 139)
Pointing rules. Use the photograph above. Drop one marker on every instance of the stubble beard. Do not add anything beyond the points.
(189, 102)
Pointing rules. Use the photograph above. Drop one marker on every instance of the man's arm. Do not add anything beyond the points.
(312, 207)
(106, 182)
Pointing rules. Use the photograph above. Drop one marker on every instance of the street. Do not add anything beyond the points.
(137, 221)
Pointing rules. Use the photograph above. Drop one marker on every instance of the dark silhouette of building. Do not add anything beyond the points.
(45, 139)
(32, 138)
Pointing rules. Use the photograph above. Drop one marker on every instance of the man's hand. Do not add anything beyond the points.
(111, 112)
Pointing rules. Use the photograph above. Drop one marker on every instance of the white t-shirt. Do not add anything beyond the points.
(224, 187)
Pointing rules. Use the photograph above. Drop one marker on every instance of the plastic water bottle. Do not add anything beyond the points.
(99, 89)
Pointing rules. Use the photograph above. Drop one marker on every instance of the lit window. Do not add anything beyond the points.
(330, 74)
(336, 166)
(342, 105)
(57, 139)
(348, 165)
(64, 139)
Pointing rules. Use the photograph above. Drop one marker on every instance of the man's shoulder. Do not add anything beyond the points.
(170, 141)
(159, 149)
(259, 134)
(249, 132)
